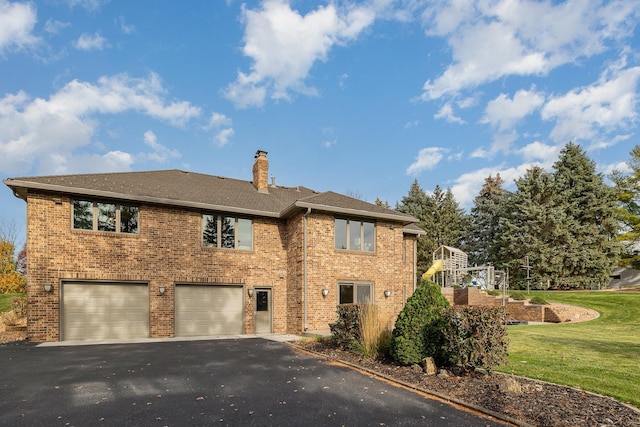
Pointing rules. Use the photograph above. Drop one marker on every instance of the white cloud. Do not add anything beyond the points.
(284, 45)
(124, 27)
(492, 39)
(540, 153)
(222, 125)
(218, 120)
(61, 164)
(223, 137)
(16, 26)
(446, 113)
(428, 158)
(329, 143)
(587, 113)
(160, 153)
(35, 129)
(55, 27)
(90, 5)
(91, 42)
(503, 112)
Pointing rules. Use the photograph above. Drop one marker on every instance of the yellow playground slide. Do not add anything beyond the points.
(435, 267)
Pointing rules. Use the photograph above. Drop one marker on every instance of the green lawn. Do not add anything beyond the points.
(5, 301)
(601, 355)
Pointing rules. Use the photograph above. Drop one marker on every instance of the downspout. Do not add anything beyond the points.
(304, 263)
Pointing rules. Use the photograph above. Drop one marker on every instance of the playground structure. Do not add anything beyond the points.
(450, 268)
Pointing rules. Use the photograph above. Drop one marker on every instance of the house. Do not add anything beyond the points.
(173, 253)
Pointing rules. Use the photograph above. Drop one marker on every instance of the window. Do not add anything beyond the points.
(355, 292)
(227, 232)
(354, 235)
(100, 216)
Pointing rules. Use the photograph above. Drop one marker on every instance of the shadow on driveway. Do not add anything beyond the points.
(222, 382)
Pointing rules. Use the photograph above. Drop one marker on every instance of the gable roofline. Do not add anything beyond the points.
(302, 205)
(15, 184)
(203, 192)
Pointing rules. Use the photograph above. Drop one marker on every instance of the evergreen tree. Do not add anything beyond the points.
(484, 223)
(533, 225)
(627, 190)
(440, 217)
(415, 204)
(590, 206)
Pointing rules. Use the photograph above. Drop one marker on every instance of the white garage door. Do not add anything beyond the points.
(208, 310)
(93, 311)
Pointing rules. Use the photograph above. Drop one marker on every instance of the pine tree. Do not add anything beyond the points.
(484, 223)
(627, 190)
(533, 225)
(415, 204)
(590, 206)
(440, 217)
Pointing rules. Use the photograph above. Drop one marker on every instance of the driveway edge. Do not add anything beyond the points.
(435, 394)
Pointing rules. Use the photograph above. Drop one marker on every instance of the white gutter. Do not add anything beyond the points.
(304, 263)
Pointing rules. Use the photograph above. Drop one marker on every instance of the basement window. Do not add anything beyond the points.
(355, 292)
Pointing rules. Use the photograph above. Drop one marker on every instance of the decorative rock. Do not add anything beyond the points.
(510, 385)
(429, 366)
(416, 368)
(443, 373)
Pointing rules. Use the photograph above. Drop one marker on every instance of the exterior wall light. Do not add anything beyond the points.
(325, 292)
(387, 293)
(48, 287)
(162, 290)
(250, 292)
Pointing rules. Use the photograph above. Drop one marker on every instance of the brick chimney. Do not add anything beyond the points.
(261, 172)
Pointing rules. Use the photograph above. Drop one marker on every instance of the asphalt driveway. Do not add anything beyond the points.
(219, 382)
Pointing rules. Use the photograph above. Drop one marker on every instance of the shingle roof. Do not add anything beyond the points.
(189, 189)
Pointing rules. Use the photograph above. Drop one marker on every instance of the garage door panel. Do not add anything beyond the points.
(105, 311)
(208, 310)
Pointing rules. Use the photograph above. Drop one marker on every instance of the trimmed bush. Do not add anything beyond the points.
(416, 334)
(346, 330)
(475, 337)
(538, 300)
(518, 296)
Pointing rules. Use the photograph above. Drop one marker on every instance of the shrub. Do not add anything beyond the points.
(416, 335)
(538, 300)
(495, 292)
(518, 296)
(346, 330)
(375, 336)
(19, 306)
(475, 337)
(10, 318)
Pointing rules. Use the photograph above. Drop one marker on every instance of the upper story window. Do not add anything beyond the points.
(100, 216)
(227, 232)
(354, 235)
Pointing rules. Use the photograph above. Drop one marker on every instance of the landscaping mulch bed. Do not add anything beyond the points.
(525, 401)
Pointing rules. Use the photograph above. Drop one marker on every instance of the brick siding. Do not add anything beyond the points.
(168, 250)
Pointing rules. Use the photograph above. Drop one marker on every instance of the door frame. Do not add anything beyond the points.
(254, 307)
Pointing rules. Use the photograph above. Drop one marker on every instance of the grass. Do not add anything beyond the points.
(602, 355)
(5, 301)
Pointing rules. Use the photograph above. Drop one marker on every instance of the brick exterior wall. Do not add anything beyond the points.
(168, 250)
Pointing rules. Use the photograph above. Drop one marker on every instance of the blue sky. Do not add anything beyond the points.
(357, 97)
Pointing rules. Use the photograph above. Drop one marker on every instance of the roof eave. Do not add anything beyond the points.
(17, 186)
(404, 219)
